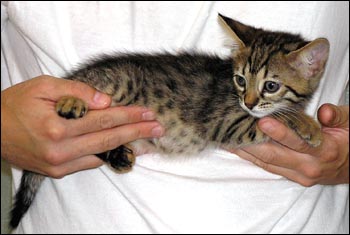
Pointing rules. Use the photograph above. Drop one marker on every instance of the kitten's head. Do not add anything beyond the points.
(275, 71)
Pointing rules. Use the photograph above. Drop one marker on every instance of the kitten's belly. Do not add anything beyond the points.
(166, 145)
(175, 141)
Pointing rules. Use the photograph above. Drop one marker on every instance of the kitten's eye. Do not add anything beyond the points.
(240, 80)
(271, 87)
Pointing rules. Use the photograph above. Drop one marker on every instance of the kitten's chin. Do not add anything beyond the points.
(257, 114)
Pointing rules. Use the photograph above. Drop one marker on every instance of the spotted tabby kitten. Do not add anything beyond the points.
(201, 99)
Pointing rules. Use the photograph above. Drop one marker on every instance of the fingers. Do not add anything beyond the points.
(305, 176)
(270, 154)
(276, 158)
(109, 139)
(101, 141)
(105, 119)
(76, 154)
(334, 116)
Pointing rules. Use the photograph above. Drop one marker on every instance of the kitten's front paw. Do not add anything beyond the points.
(311, 134)
(71, 107)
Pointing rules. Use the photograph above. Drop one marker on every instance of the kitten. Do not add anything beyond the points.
(203, 100)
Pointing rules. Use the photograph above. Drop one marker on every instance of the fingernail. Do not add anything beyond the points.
(157, 131)
(148, 116)
(101, 99)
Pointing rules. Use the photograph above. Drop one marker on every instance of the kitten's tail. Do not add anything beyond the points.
(30, 183)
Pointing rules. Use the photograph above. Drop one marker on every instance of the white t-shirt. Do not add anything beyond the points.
(215, 192)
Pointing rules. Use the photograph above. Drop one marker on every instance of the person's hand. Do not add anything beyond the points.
(35, 138)
(291, 157)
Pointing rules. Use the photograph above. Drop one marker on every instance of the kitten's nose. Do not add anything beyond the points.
(249, 105)
(250, 100)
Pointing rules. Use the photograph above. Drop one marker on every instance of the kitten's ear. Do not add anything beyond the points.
(241, 33)
(311, 59)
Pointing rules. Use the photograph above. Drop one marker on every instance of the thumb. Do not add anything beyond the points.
(331, 115)
(94, 98)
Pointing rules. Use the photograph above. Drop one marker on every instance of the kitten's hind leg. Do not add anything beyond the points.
(121, 158)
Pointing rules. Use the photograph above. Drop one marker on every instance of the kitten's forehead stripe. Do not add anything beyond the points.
(265, 72)
(261, 57)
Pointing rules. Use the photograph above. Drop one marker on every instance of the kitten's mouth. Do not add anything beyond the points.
(255, 112)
